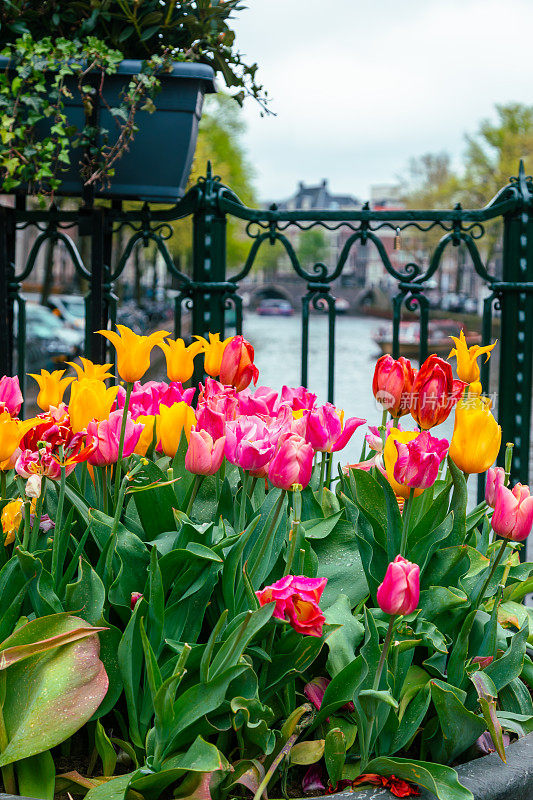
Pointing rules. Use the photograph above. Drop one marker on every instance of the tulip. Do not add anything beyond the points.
(146, 438)
(315, 689)
(434, 392)
(51, 388)
(296, 600)
(220, 398)
(10, 395)
(11, 433)
(299, 399)
(325, 431)
(90, 399)
(476, 436)
(390, 457)
(107, 435)
(237, 367)
(170, 423)
(89, 369)
(134, 599)
(249, 443)
(211, 421)
(11, 519)
(213, 352)
(262, 401)
(400, 591)
(147, 398)
(495, 478)
(513, 512)
(204, 456)
(467, 366)
(418, 462)
(292, 463)
(133, 351)
(374, 439)
(393, 384)
(180, 359)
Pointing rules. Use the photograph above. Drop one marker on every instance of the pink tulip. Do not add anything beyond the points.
(10, 395)
(324, 429)
(315, 689)
(292, 463)
(297, 599)
(418, 461)
(249, 443)
(495, 478)
(222, 399)
(146, 398)
(204, 456)
(373, 438)
(262, 401)
(107, 434)
(237, 367)
(299, 399)
(41, 462)
(513, 512)
(135, 597)
(400, 590)
(210, 420)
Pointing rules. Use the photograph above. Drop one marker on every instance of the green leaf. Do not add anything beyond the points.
(105, 749)
(305, 753)
(343, 642)
(36, 776)
(115, 789)
(487, 695)
(440, 780)
(49, 696)
(162, 498)
(339, 561)
(342, 688)
(379, 696)
(320, 528)
(335, 754)
(458, 504)
(509, 666)
(460, 728)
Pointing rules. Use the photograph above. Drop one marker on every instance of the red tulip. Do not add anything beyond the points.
(393, 384)
(237, 367)
(400, 590)
(434, 392)
(297, 599)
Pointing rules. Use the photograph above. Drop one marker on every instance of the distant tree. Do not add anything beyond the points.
(312, 246)
(220, 142)
(430, 182)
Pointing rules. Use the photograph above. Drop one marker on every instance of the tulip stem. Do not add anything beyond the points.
(196, 485)
(58, 545)
(3, 485)
(508, 461)
(37, 519)
(384, 652)
(267, 538)
(244, 496)
(407, 509)
(104, 489)
(322, 475)
(383, 426)
(129, 387)
(328, 473)
(27, 525)
(497, 560)
(294, 531)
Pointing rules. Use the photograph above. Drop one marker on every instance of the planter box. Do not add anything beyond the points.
(157, 165)
(487, 778)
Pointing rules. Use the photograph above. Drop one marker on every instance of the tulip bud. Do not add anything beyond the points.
(400, 591)
(513, 512)
(434, 392)
(476, 436)
(135, 597)
(237, 367)
(393, 384)
(292, 463)
(204, 456)
(495, 478)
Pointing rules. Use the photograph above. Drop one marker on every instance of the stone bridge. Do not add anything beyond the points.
(293, 288)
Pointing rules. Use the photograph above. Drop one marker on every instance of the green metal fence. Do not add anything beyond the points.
(210, 291)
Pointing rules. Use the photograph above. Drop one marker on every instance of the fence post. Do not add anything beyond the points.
(516, 343)
(7, 257)
(96, 318)
(208, 263)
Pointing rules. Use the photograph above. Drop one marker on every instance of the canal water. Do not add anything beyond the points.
(277, 342)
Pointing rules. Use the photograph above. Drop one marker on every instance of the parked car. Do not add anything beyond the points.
(49, 341)
(70, 308)
(275, 307)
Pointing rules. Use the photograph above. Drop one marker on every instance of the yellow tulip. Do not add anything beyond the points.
(214, 350)
(180, 359)
(171, 421)
(147, 436)
(11, 432)
(133, 351)
(11, 519)
(390, 456)
(476, 436)
(89, 369)
(51, 388)
(467, 366)
(90, 399)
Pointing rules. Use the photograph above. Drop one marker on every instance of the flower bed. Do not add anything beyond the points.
(196, 604)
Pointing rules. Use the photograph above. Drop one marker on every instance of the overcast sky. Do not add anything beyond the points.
(360, 86)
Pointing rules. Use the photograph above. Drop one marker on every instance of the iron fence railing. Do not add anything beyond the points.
(210, 292)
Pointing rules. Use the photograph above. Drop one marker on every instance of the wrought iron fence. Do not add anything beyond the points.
(210, 292)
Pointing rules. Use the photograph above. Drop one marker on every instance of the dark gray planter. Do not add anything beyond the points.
(157, 165)
(488, 778)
